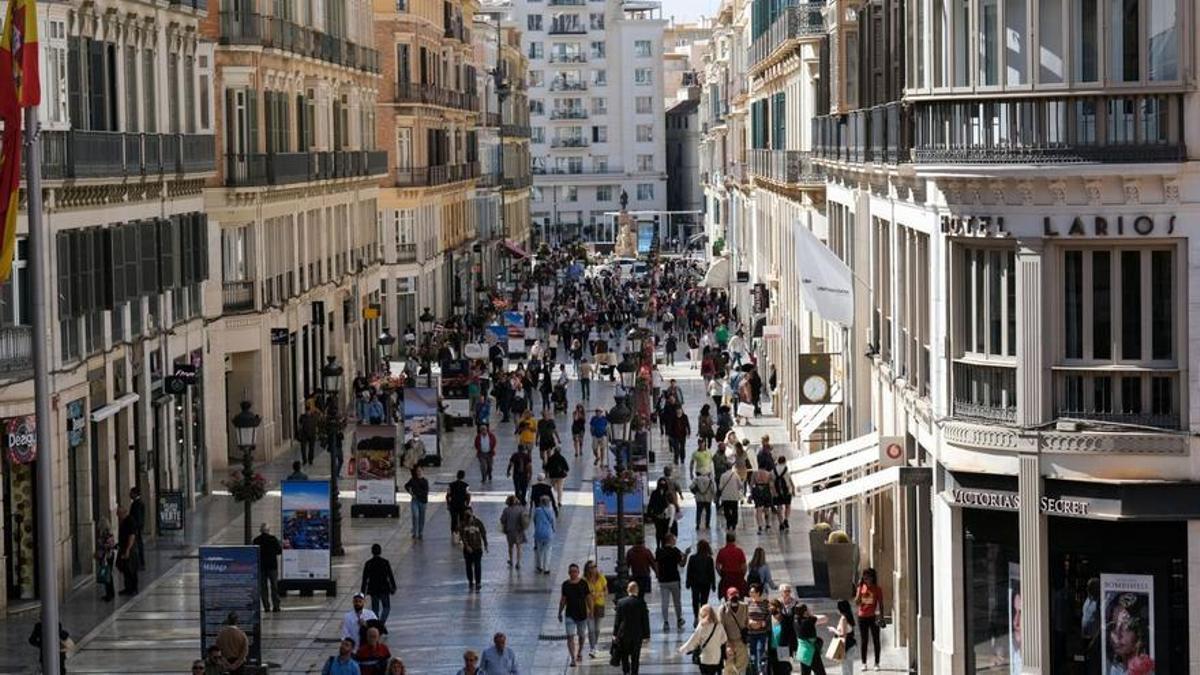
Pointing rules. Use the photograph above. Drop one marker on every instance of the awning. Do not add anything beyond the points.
(514, 249)
(850, 447)
(717, 275)
(860, 487)
(823, 472)
(106, 411)
(697, 237)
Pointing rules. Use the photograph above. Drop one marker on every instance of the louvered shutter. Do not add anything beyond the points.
(200, 247)
(252, 122)
(182, 228)
(116, 265)
(62, 242)
(148, 252)
(75, 58)
(168, 276)
(129, 239)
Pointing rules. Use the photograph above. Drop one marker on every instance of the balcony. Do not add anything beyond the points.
(567, 28)
(796, 22)
(16, 349)
(287, 168)
(515, 130)
(985, 393)
(567, 3)
(272, 32)
(238, 296)
(1144, 397)
(786, 167)
(491, 119)
(1056, 130)
(878, 135)
(112, 154)
(427, 94)
(569, 143)
(574, 171)
(518, 182)
(488, 179)
(569, 114)
(406, 252)
(198, 5)
(568, 85)
(432, 176)
(568, 58)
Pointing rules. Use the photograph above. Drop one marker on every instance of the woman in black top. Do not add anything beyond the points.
(806, 629)
(701, 577)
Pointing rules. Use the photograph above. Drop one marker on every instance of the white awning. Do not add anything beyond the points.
(838, 451)
(823, 472)
(859, 487)
(717, 275)
(106, 411)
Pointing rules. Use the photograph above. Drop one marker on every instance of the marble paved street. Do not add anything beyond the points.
(434, 618)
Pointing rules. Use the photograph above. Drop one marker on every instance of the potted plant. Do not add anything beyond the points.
(817, 537)
(841, 556)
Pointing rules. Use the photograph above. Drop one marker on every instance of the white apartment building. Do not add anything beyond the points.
(596, 112)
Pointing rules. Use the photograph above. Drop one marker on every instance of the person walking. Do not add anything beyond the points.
(574, 609)
(729, 491)
(269, 550)
(762, 494)
(578, 427)
(758, 629)
(542, 488)
(808, 643)
(485, 451)
(498, 659)
(137, 511)
(705, 431)
(458, 501)
(734, 617)
(759, 572)
(127, 552)
(704, 489)
(417, 488)
(701, 576)
(35, 641)
(306, 434)
(845, 630)
(473, 535)
(354, 621)
(598, 584)
(547, 435)
(640, 562)
(106, 558)
(868, 597)
(297, 473)
(599, 429)
(708, 639)
(631, 629)
(343, 663)
(585, 380)
(668, 560)
(731, 565)
(785, 489)
(372, 656)
(543, 533)
(557, 469)
(514, 521)
(678, 430)
(378, 582)
(520, 467)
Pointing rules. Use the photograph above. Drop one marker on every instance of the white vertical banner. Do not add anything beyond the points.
(826, 283)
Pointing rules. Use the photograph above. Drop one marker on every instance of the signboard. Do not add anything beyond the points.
(421, 417)
(1000, 500)
(229, 594)
(279, 336)
(305, 529)
(916, 476)
(76, 423)
(375, 465)
(170, 511)
(891, 451)
(604, 512)
(371, 312)
(20, 438)
(1127, 620)
(514, 324)
(772, 331)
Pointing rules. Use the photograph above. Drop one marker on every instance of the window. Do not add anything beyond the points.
(1051, 55)
(1162, 45)
(533, 22)
(599, 134)
(645, 191)
(641, 48)
(597, 50)
(600, 163)
(15, 302)
(535, 78)
(571, 193)
(538, 195)
(537, 135)
(643, 76)
(604, 193)
(1085, 26)
(537, 107)
(984, 373)
(599, 106)
(536, 50)
(596, 21)
(645, 162)
(644, 104)
(1119, 309)
(599, 77)
(645, 133)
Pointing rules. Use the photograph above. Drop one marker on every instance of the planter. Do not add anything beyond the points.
(842, 561)
(816, 543)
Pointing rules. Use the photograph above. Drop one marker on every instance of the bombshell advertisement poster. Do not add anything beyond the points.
(375, 465)
(1127, 617)
(305, 526)
(604, 511)
(421, 417)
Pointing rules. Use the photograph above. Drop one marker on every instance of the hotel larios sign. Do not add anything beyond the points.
(1064, 226)
(999, 500)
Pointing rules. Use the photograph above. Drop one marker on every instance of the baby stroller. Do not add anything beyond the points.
(559, 396)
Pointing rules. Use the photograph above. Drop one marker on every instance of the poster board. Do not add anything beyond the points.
(1127, 623)
(170, 511)
(514, 324)
(498, 334)
(374, 467)
(1014, 621)
(305, 529)
(421, 417)
(604, 513)
(229, 589)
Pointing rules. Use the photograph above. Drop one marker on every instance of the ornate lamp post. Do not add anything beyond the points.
(386, 342)
(619, 418)
(245, 432)
(331, 384)
(426, 320)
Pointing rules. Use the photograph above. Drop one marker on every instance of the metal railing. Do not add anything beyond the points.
(252, 28)
(878, 135)
(569, 143)
(569, 114)
(1148, 398)
(785, 166)
(406, 252)
(16, 349)
(518, 182)
(567, 28)
(795, 22)
(78, 153)
(985, 393)
(238, 296)
(568, 85)
(412, 92)
(568, 58)
(440, 174)
(199, 5)
(515, 130)
(1068, 129)
(285, 168)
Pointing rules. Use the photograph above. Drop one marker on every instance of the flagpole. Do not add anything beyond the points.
(39, 274)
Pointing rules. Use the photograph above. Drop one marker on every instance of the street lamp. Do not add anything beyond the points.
(245, 431)
(618, 419)
(426, 320)
(331, 383)
(386, 340)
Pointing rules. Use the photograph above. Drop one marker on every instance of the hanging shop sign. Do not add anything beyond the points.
(891, 451)
(76, 423)
(21, 439)
(279, 336)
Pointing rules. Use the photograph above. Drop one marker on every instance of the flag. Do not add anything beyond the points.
(20, 87)
(826, 283)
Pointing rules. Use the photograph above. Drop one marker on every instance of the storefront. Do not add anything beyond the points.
(20, 516)
(1116, 575)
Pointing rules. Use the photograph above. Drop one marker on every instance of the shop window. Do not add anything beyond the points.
(984, 371)
(991, 591)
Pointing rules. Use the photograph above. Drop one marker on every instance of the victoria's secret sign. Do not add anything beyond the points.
(1010, 501)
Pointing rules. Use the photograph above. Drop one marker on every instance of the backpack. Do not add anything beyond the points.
(781, 485)
(472, 538)
(753, 577)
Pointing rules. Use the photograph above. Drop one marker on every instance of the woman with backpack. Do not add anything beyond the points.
(785, 489)
(704, 427)
(758, 571)
(762, 494)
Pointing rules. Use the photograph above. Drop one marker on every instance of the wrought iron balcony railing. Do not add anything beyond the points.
(567, 28)
(252, 28)
(16, 349)
(286, 168)
(568, 85)
(412, 92)
(238, 296)
(569, 143)
(568, 58)
(984, 392)
(878, 135)
(569, 114)
(78, 153)
(441, 174)
(1147, 397)
(515, 130)
(790, 167)
(797, 21)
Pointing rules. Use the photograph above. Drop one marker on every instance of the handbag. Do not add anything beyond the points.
(836, 650)
(806, 649)
(697, 652)
(614, 654)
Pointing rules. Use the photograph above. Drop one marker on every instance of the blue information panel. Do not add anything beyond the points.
(229, 594)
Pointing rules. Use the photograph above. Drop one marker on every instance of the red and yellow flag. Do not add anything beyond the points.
(20, 87)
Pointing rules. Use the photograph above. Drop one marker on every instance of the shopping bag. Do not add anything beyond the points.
(805, 651)
(836, 650)
(745, 410)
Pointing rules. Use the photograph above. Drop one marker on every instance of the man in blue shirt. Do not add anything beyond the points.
(499, 659)
(343, 663)
(599, 425)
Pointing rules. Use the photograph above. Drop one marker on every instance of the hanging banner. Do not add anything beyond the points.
(375, 465)
(229, 595)
(305, 523)
(421, 417)
(1127, 618)
(76, 423)
(826, 283)
(604, 513)
(20, 434)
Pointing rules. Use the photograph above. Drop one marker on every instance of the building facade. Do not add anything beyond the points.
(127, 144)
(596, 113)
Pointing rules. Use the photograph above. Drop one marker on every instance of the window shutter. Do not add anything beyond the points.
(131, 262)
(115, 240)
(79, 275)
(182, 226)
(230, 123)
(101, 274)
(168, 277)
(251, 121)
(62, 243)
(95, 85)
(200, 245)
(75, 82)
(148, 251)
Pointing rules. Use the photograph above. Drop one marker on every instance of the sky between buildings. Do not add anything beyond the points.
(689, 10)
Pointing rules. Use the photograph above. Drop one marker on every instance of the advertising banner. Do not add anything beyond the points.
(305, 527)
(21, 439)
(514, 323)
(498, 334)
(421, 417)
(170, 511)
(229, 594)
(604, 512)
(375, 464)
(1014, 618)
(76, 423)
(1127, 621)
